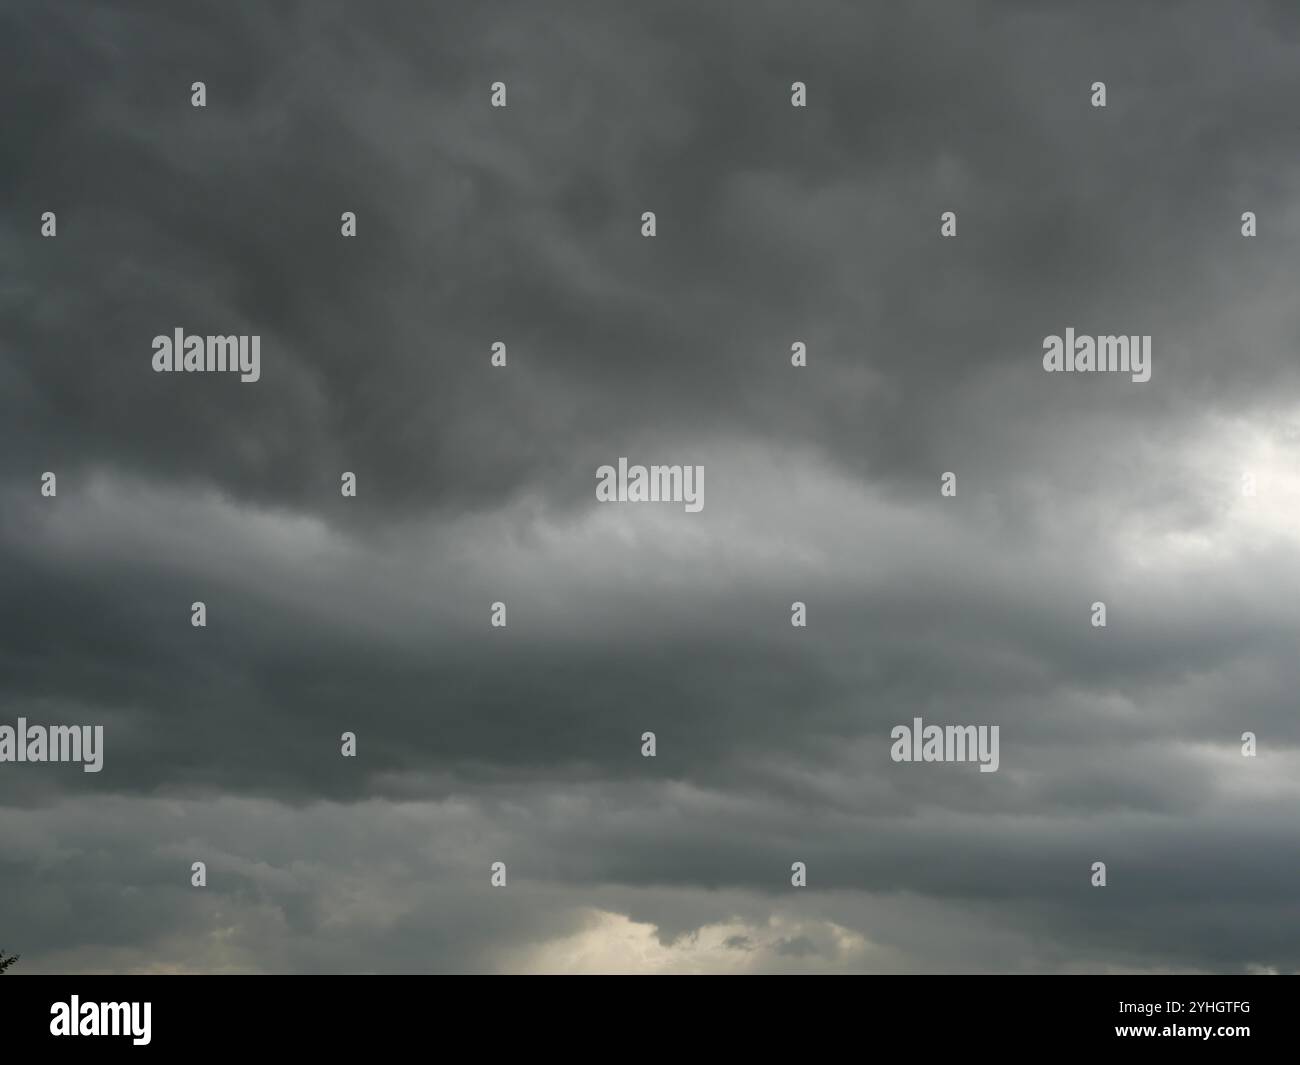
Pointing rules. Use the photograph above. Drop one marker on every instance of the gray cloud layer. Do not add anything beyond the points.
(476, 484)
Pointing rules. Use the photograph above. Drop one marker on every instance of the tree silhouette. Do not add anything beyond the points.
(7, 960)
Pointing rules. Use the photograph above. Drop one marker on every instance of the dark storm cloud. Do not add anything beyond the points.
(522, 225)
(475, 484)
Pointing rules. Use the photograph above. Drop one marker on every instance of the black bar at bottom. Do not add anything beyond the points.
(1238, 1015)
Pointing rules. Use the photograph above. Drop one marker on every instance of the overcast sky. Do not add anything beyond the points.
(476, 484)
